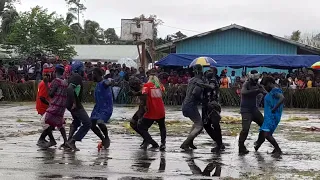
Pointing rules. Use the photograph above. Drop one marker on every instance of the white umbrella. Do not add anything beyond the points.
(128, 62)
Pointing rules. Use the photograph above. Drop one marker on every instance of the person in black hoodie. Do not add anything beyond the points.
(136, 90)
(79, 114)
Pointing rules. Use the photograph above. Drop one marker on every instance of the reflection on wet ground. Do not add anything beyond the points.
(21, 159)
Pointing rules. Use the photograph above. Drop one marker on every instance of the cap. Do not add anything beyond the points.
(197, 68)
(59, 66)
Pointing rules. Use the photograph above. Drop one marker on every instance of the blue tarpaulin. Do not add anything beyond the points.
(238, 61)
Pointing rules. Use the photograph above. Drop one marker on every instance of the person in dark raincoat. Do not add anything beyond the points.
(211, 110)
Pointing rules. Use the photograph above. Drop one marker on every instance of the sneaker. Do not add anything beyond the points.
(185, 147)
(72, 145)
(162, 147)
(218, 149)
(144, 146)
(276, 151)
(192, 146)
(106, 143)
(142, 143)
(155, 146)
(64, 146)
(243, 150)
(52, 143)
(42, 143)
(257, 146)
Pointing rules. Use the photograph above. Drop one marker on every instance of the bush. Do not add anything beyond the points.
(174, 95)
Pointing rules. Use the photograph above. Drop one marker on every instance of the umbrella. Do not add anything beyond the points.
(316, 66)
(203, 61)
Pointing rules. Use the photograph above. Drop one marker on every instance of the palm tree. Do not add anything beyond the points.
(8, 18)
(70, 18)
(92, 32)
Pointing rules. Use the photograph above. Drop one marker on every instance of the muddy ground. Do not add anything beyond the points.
(22, 159)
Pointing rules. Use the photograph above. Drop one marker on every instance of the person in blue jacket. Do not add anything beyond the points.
(273, 106)
(103, 108)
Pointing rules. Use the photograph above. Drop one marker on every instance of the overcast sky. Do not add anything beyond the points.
(278, 17)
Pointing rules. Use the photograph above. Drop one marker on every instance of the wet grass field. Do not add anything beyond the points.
(22, 159)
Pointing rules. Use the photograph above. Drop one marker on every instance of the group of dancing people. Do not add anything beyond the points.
(204, 88)
(56, 94)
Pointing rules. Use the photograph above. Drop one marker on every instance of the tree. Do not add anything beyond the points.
(8, 15)
(178, 35)
(92, 31)
(111, 36)
(295, 36)
(39, 31)
(70, 18)
(76, 7)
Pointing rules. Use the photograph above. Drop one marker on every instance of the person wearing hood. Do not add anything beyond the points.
(74, 105)
(136, 90)
(103, 108)
(190, 107)
(248, 107)
(211, 110)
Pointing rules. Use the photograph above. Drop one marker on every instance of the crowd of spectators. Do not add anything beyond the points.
(31, 69)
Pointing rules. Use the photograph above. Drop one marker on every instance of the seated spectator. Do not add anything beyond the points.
(283, 81)
(2, 72)
(243, 77)
(317, 82)
(291, 83)
(309, 82)
(67, 69)
(233, 78)
(116, 77)
(12, 72)
(142, 75)
(301, 83)
(224, 81)
(238, 85)
(173, 78)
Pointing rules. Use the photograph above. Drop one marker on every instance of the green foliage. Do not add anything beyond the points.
(76, 7)
(8, 16)
(295, 35)
(178, 35)
(39, 31)
(111, 36)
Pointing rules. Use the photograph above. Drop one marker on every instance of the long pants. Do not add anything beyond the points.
(136, 117)
(102, 129)
(197, 127)
(247, 118)
(80, 117)
(211, 123)
(145, 124)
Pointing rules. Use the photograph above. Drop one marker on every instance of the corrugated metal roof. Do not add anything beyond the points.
(105, 52)
(235, 26)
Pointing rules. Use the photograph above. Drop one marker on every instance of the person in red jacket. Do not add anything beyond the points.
(154, 111)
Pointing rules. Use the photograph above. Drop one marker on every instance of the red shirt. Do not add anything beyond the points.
(42, 92)
(155, 103)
